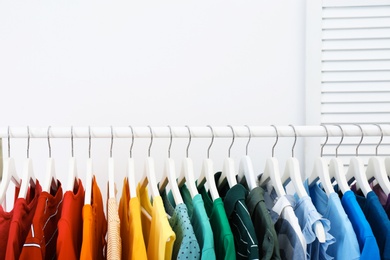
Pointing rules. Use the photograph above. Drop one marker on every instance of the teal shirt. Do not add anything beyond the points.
(223, 236)
(200, 222)
(186, 246)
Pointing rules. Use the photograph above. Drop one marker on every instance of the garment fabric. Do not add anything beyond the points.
(383, 198)
(94, 226)
(378, 220)
(23, 214)
(341, 228)
(186, 246)
(133, 245)
(70, 225)
(5, 222)
(367, 242)
(199, 220)
(114, 243)
(264, 227)
(245, 240)
(158, 234)
(292, 243)
(308, 216)
(42, 237)
(223, 236)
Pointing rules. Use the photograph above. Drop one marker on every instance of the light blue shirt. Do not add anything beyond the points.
(346, 246)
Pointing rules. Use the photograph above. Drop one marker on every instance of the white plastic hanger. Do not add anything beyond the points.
(169, 176)
(149, 176)
(356, 169)
(321, 171)
(272, 172)
(293, 172)
(72, 173)
(228, 170)
(28, 177)
(207, 173)
(187, 171)
(50, 180)
(131, 168)
(246, 167)
(376, 168)
(9, 174)
(336, 168)
(89, 174)
(111, 170)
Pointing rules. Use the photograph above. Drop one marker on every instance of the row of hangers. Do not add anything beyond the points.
(321, 171)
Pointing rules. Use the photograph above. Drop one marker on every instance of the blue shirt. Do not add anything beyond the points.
(341, 228)
(378, 220)
(367, 242)
(307, 215)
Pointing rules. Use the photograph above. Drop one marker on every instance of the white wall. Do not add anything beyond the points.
(103, 63)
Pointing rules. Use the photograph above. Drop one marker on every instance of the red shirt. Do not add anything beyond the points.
(70, 225)
(42, 238)
(5, 221)
(21, 221)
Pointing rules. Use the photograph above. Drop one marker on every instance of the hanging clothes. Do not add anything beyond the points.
(200, 222)
(114, 243)
(133, 245)
(70, 225)
(245, 240)
(223, 236)
(186, 246)
(159, 237)
(292, 243)
(367, 242)
(42, 238)
(23, 214)
(94, 226)
(341, 228)
(383, 198)
(5, 222)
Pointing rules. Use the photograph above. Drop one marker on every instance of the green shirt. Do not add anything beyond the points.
(264, 227)
(245, 239)
(199, 220)
(223, 236)
(186, 246)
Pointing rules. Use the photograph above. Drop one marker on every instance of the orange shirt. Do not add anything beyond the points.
(70, 225)
(42, 237)
(133, 244)
(94, 226)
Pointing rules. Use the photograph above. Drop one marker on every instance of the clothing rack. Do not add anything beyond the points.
(196, 132)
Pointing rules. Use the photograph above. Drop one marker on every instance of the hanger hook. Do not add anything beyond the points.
(189, 140)
(170, 141)
(212, 141)
(28, 142)
(342, 138)
(132, 141)
(71, 140)
(89, 142)
(48, 140)
(9, 142)
(295, 140)
(326, 140)
(380, 141)
(112, 141)
(361, 139)
(151, 140)
(276, 141)
(230, 147)
(249, 139)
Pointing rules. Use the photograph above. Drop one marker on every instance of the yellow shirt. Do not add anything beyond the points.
(133, 245)
(160, 237)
